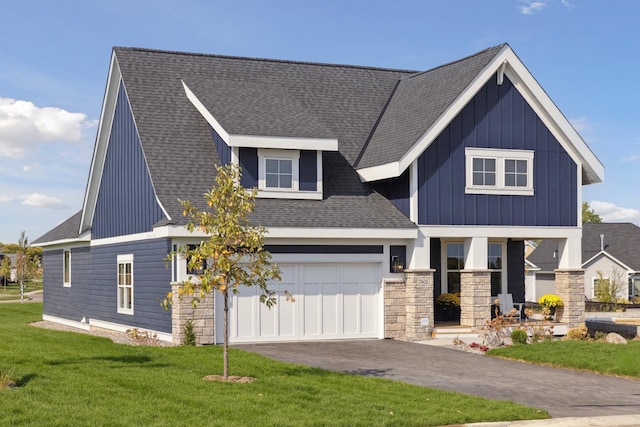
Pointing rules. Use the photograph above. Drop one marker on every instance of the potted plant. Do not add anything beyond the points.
(449, 304)
(550, 302)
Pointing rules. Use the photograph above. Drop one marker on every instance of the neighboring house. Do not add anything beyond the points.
(362, 173)
(610, 248)
(13, 259)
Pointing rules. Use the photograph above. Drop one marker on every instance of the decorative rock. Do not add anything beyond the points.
(614, 338)
(493, 339)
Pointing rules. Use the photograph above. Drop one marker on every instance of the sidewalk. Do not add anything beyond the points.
(609, 421)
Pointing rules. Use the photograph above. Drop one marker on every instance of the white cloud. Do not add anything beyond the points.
(41, 201)
(5, 198)
(23, 126)
(581, 124)
(529, 7)
(631, 158)
(612, 213)
(568, 4)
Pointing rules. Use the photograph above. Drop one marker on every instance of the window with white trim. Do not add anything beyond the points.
(125, 284)
(494, 264)
(278, 170)
(497, 171)
(66, 268)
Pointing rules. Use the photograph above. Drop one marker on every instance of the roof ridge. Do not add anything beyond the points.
(473, 55)
(248, 58)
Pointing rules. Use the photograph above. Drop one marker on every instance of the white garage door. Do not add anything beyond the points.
(332, 301)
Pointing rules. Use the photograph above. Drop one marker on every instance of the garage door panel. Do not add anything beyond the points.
(331, 301)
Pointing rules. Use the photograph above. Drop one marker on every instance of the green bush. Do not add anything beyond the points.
(519, 336)
(189, 333)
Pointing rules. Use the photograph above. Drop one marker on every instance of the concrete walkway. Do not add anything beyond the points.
(33, 296)
(562, 392)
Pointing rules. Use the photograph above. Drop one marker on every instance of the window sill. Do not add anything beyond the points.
(66, 285)
(125, 311)
(303, 195)
(500, 191)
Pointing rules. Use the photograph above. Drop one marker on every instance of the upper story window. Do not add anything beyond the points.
(285, 174)
(66, 268)
(278, 173)
(496, 171)
(278, 170)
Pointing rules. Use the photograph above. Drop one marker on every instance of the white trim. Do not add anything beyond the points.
(611, 257)
(66, 322)
(344, 233)
(330, 258)
(125, 259)
(535, 96)
(161, 336)
(500, 231)
(66, 284)
(319, 173)
(290, 194)
(413, 192)
(290, 155)
(205, 113)
(81, 241)
(283, 142)
(500, 156)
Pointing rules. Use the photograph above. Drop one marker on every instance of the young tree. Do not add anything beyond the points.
(588, 214)
(5, 269)
(607, 290)
(23, 263)
(233, 255)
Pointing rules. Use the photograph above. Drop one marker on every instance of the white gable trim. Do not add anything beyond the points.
(260, 141)
(611, 257)
(507, 62)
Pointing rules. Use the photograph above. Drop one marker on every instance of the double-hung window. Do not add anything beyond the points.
(66, 268)
(125, 284)
(497, 171)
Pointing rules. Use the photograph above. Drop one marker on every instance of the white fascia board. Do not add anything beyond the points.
(176, 231)
(553, 118)
(533, 93)
(283, 142)
(514, 232)
(611, 257)
(102, 141)
(205, 113)
(71, 243)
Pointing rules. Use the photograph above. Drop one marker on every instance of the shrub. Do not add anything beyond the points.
(550, 301)
(579, 333)
(599, 335)
(607, 289)
(448, 300)
(189, 333)
(519, 336)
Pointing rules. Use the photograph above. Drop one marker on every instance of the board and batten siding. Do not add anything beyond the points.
(497, 117)
(126, 202)
(224, 151)
(93, 290)
(396, 190)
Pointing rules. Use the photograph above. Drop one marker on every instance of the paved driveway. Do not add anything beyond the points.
(564, 393)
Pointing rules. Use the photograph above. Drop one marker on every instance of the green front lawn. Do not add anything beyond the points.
(595, 356)
(69, 378)
(12, 290)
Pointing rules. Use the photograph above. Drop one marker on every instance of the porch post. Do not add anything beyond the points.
(201, 316)
(570, 287)
(475, 298)
(419, 304)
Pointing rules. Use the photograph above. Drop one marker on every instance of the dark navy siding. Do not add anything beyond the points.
(126, 202)
(397, 191)
(224, 151)
(497, 117)
(308, 168)
(93, 291)
(248, 159)
(515, 269)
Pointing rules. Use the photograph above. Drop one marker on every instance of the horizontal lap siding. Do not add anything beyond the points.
(126, 202)
(93, 291)
(497, 117)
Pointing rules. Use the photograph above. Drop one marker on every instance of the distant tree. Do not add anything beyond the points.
(233, 255)
(588, 215)
(26, 266)
(5, 270)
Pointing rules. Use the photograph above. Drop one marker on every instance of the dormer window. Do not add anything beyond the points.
(278, 170)
(285, 174)
(498, 171)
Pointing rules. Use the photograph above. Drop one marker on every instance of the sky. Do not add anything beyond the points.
(54, 59)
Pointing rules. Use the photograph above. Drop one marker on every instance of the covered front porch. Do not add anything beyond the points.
(476, 268)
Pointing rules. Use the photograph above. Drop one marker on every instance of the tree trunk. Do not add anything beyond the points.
(225, 351)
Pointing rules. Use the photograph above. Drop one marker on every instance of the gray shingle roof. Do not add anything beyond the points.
(621, 240)
(66, 230)
(417, 103)
(299, 99)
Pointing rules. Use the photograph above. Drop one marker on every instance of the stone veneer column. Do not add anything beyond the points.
(475, 297)
(419, 301)
(201, 316)
(570, 287)
(395, 308)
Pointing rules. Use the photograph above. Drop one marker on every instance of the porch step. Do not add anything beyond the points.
(454, 331)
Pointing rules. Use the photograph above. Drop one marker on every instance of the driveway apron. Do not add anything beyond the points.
(562, 392)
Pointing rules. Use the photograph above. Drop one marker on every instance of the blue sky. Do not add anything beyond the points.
(54, 59)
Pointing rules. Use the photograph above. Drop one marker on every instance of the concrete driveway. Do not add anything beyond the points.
(562, 392)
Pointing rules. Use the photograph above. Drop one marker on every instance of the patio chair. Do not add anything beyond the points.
(507, 305)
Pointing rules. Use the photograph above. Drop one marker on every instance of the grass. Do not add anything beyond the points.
(594, 356)
(12, 290)
(67, 378)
